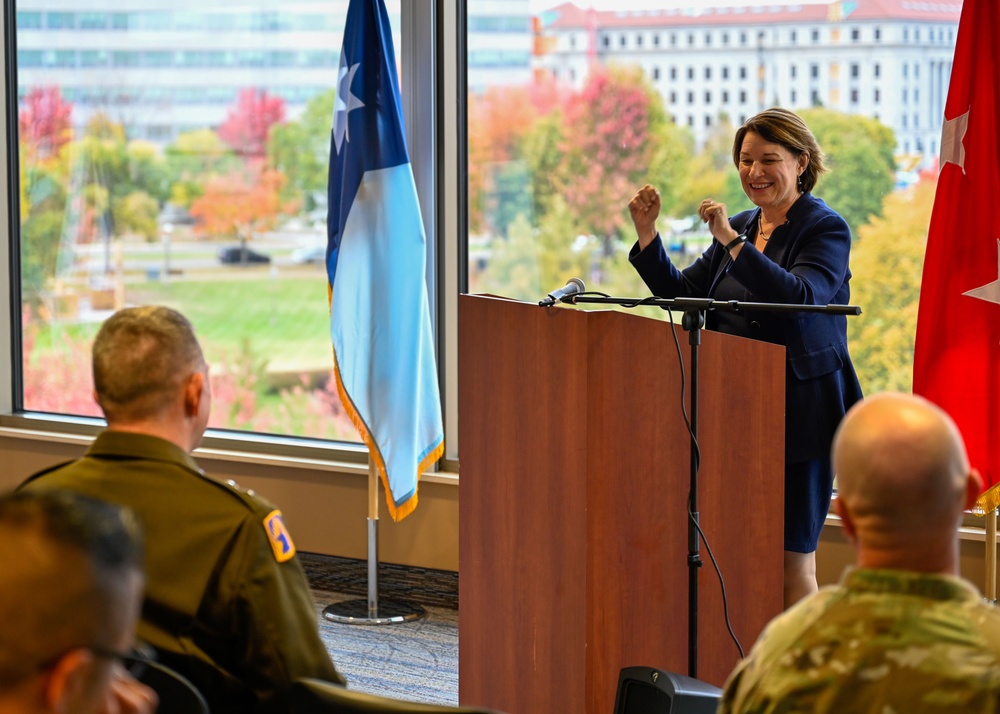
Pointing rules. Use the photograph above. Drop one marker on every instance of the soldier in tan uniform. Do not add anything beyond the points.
(227, 602)
(901, 632)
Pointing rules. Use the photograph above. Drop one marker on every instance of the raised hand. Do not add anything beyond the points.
(644, 209)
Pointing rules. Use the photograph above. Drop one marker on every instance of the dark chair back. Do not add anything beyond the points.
(177, 695)
(314, 696)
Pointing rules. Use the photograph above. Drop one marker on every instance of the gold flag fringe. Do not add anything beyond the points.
(988, 501)
(404, 509)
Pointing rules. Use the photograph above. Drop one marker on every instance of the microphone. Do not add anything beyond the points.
(572, 287)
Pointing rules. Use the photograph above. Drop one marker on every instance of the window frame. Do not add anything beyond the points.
(429, 31)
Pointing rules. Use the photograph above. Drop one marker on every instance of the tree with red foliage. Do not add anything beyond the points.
(248, 125)
(613, 132)
(44, 122)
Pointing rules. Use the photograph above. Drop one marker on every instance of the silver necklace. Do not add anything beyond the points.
(760, 227)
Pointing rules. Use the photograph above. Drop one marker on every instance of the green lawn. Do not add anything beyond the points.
(285, 319)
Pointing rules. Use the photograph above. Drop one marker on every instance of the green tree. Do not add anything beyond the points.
(513, 268)
(887, 261)
(670, 168)
(42, 221)
(862, 166)
(712, 174)
(499, 120)
(301, 151)
(107, 169)
(147, 171)
(190, 159)
(137, 213)
(540, 149)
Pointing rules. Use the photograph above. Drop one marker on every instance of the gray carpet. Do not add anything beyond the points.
(418, 660)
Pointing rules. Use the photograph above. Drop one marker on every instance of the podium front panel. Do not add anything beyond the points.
(575, 473)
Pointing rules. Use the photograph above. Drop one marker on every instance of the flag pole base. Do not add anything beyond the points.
(387, 612)
(372, 610)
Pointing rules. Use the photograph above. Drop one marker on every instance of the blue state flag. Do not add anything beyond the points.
(379, 314)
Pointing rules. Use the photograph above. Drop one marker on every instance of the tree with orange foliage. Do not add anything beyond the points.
(240, 203)
(499, 119)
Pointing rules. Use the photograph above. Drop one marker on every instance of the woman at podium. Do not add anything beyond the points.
(794, 249)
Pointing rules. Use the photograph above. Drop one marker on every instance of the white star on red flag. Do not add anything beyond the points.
(952, 141)
(991, 291)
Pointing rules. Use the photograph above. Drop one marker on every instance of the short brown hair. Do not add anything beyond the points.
(141, 357)
(780, 126)
(67, 559)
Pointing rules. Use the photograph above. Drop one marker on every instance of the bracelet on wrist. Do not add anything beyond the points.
(738, 240)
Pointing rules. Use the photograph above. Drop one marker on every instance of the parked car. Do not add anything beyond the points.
(309, 254)
(241, 255)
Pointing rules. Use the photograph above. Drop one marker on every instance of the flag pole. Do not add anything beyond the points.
(991, 557)
(987, 506)
(371, 611)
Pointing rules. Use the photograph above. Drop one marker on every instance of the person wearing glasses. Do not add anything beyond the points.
(791, 248)
(227, 602)
(71, 580)
(901, 631)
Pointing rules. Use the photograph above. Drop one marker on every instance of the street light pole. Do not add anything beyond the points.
(168, 228)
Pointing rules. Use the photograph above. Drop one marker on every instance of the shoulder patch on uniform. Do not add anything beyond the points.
(277, 534)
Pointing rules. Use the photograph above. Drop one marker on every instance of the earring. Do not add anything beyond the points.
(800, 182)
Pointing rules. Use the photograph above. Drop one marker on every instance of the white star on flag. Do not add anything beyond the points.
(346, 102)
(991, 291)
(952, 136)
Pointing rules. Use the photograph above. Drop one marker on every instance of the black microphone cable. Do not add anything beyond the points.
(697, 464)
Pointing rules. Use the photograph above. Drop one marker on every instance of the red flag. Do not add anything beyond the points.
(957, 353)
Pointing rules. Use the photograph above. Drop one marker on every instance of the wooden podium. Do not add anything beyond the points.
(573, 532)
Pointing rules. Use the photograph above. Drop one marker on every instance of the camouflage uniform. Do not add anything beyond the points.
(227, 602)
(884, 641)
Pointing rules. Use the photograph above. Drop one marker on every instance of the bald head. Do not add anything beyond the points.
(903, 477)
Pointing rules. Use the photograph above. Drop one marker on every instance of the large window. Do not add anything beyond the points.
(552, 164)
(176, 153)
(139, 165)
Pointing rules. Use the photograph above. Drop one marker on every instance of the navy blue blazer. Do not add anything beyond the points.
(805, 262)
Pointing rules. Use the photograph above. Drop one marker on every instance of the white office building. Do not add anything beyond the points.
(164, 67)
(888, 59)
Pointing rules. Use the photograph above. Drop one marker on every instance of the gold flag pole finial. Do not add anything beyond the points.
(988, 502)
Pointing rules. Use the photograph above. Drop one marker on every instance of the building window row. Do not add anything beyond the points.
(499, 58)
(723, 95)
(708, 39)
(519, 24)
(940, 35)
(81, 59)
(690, 39)
(174, 96)
(171, 21)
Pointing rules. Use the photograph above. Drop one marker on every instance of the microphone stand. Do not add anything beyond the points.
(694, 310)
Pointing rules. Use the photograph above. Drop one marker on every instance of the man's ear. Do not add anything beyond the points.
(193, 388)
(845, 518)
(973, 488)
(67, 681)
